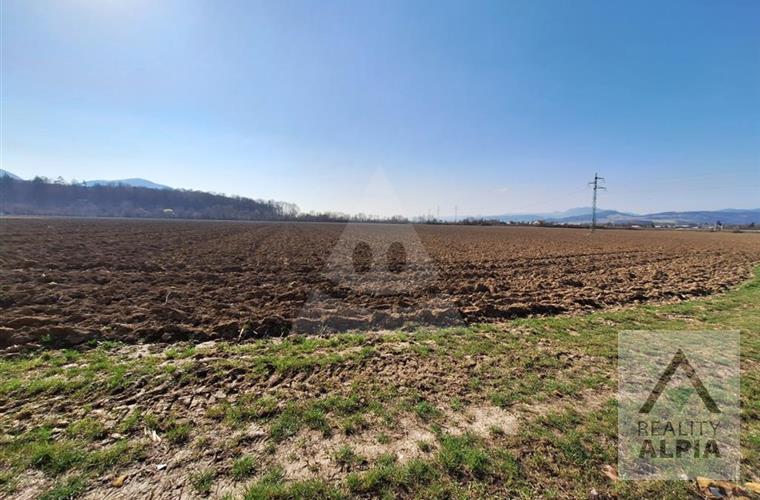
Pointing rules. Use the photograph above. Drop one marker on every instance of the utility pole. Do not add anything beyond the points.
(455, 213)
(596, 185)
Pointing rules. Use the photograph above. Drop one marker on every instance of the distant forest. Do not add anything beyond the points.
(43, 196)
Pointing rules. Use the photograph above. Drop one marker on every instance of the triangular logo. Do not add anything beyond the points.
(679, 360)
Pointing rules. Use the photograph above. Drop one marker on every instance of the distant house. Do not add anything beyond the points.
(169, 212)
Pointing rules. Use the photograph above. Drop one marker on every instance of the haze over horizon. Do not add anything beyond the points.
(493, 107)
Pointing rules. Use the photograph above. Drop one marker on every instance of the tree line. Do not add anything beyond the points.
(46, 197)
(42, 196)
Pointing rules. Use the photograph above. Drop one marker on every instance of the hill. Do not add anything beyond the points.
(701, 217)
(40, 197)
(727, 216)
(5, 173)
(133, 182)
(582, 215)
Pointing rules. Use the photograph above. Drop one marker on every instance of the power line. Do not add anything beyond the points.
(596, 185)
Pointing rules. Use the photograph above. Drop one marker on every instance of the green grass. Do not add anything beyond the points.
(130, 422)
(245, 410)
(65, 490)
(294, 490)
(426, 411)
(179, 352)
(319, 415)
(178, 433)
(287, 424)
(524, 361)
(315, 418)
(121, 452)
(55, 457)
(202, 481)
(353, 425)
(87, 428)
(347, 458)
(151, 421)
(243, 468)
(8, 482)
(464, 457)
(387, 478)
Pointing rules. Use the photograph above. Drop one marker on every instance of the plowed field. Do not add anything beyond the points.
(65, 281)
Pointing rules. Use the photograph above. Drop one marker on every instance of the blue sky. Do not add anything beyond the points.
(491, 106)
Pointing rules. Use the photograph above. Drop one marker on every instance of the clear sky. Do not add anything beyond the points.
(495, 107)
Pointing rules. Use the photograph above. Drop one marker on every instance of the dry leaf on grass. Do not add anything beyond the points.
(611, 472)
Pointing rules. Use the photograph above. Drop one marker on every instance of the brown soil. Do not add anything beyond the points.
(65, 281)
(165, 471)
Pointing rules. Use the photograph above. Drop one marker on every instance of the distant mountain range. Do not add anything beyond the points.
(134, 182)
(5, 173)
(130, 198)
(582, 215)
